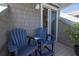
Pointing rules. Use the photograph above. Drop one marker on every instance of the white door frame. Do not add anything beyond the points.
(49, 17)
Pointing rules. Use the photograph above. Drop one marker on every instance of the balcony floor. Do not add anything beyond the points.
(63, 50)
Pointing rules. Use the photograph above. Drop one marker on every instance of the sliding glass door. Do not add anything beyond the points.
(50, 19)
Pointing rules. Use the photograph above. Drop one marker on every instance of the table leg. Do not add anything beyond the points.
(39, 48)
(52, 49)
(36, 52)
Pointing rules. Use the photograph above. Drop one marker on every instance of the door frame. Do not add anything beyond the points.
(49, 7)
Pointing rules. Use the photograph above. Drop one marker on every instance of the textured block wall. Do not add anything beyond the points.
(24, 16)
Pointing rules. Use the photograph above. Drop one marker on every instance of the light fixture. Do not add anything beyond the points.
(37, 6)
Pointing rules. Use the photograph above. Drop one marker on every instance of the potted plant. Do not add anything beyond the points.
(74, 36)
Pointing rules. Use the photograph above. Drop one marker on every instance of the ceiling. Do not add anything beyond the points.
(62, 5)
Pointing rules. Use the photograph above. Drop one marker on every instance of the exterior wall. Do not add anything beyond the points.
(18, 16)
(62, 35)
(3, 30)
(24, 16)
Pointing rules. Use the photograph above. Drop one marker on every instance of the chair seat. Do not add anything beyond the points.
(27, 50)
(46, 42)
(48, 53)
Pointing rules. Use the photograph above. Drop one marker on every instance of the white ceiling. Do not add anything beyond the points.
(62, 5)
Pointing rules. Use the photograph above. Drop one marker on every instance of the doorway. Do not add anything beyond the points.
(49, 19)
(45, 18)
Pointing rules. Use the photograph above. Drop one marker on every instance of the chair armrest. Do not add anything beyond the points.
(37, 38)
(51, 35)
(31, 38)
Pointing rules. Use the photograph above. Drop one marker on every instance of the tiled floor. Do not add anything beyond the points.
(63, 50)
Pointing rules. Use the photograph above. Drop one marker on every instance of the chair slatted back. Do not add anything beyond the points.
(19, 37)
(41, 32)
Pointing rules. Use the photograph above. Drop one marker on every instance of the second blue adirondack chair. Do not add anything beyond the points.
(19, 43)
(44, 40)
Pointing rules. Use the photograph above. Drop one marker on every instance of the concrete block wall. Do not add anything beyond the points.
(24, 16)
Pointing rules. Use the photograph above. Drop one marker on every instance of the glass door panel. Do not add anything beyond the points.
(45, 18)
(53, 22)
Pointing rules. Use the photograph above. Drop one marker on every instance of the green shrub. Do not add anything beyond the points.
(74, 33)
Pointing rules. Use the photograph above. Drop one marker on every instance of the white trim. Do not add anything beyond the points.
(49, 6)
(48, 20)
(41, 15)
(57, 25)
(68, 19)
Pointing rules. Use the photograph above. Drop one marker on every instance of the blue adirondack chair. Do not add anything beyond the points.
(19, 43)
(44, 40)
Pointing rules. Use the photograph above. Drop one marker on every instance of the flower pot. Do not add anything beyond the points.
(76, 48)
